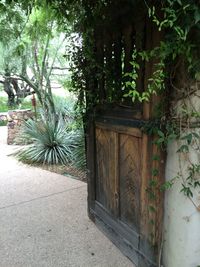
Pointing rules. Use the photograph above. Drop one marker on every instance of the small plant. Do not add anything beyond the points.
(3, 122)
(51, 142)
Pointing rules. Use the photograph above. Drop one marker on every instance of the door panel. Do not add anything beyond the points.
(119, 171)
(106, 176)
(129, 179)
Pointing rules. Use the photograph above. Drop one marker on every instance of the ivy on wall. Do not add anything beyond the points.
(180, 62)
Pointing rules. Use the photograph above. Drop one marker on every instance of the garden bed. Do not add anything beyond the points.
(66, 170)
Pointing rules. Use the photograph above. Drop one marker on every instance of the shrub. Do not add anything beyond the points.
(51, 142)
(3, 123)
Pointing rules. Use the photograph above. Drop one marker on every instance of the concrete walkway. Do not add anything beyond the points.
(43, 220)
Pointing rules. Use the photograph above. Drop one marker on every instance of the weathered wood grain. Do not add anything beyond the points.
(130, 176)
(106, 184)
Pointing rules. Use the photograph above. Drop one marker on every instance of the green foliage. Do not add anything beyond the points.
(51, 141)
(164, 131)
(78, 153)
(3, 123)
(25, 104)
(182, 21)
(40, 22)
(65, 106)
(3, 104)
(11, 21)
(156, 84)
(167, 185)
(177, 56)
(31, 46)
(192, 180)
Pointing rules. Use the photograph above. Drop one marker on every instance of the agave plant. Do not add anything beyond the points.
(51, 142)
(65, 106)
(78, 152)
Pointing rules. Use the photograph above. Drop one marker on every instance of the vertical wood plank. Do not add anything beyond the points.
(90, 156)
(130, 175)
(107, 174)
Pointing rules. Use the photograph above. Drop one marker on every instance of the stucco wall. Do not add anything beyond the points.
(182, 218)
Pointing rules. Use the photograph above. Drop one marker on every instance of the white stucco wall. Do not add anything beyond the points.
(182, 219)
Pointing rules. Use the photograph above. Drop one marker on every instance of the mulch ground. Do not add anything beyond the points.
(66, 170)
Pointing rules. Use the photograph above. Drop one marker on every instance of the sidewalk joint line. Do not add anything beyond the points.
(41, 197)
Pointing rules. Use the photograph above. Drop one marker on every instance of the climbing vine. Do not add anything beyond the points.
(182, 20)
(175, 76)
(178, 55)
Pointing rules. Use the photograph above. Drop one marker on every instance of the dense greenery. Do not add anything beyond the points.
(33, 57)
(178, 53)
(175, 76)
(31, 52)
(177, 56)
(26, 104)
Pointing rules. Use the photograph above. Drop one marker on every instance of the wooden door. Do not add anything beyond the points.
(118, 172)
(119, 155)
(117, 195)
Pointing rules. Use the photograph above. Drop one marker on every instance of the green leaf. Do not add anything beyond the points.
(180, 2)
(196, 135)
(156, 157)
(161, 134)
(152, 209)
(160, 141)
(188, 138)
(187, 191)
(183, 149)
(155, 172)
(172, 137)
(167, 185)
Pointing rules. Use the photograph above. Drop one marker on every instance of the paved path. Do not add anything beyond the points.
(43, 220)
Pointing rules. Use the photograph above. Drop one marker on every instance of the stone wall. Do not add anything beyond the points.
(15, 120)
